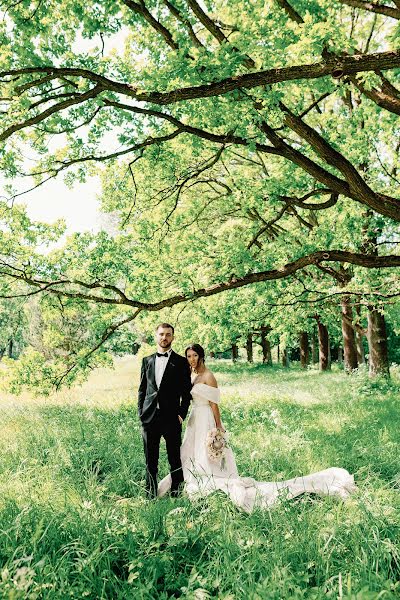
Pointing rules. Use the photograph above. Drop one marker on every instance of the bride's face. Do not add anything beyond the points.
(193, 358)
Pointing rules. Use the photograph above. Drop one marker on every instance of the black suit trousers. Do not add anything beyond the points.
(152, 433)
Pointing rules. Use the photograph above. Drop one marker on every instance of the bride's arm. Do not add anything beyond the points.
(217, 415)
(210, 380)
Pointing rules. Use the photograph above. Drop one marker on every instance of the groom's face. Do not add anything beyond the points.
(164, 337)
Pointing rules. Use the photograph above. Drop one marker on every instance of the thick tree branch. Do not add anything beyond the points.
(388, 97)
(340, 275)
(301, 202)
(229, 138)
(208, 23)
(56, 108)
(358, 188)
(141, 9)
(355, 326)
(290, 11)
(334, 183)
(185, 22)
(374, 7)
(315, 258)
(216, 31)
(333, 66)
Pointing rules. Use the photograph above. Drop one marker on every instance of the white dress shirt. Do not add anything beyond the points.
(160, 366)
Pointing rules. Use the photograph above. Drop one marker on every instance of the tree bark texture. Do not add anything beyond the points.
(377, 342)
(249, 347)
(349, 340)
(304, 352)
(323, 339)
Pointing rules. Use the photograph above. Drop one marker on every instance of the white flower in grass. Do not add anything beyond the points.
(201, 594)
(132, 576)
(175, 520)
(87, 504)
(23, 578)
(275, 417)
(176, 510)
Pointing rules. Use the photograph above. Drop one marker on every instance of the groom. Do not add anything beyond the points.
(163, 402)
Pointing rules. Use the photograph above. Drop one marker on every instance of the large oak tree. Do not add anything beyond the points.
(278, 120)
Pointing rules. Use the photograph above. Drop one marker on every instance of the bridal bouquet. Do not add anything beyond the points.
(216, 444)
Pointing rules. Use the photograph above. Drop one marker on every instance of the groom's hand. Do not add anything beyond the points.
(180, 419)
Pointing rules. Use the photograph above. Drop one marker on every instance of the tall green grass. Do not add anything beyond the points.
(74, 522)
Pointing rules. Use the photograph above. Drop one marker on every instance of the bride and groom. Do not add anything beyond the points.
(168, 383)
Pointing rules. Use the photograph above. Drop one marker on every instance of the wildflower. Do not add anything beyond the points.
(23, 578)
(275, 417)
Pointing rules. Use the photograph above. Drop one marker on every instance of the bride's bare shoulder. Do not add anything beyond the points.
(209, 378)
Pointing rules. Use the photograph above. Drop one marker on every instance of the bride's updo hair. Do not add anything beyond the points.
(199, 350)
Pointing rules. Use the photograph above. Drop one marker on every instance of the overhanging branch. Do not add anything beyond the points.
(121, 299)
(332, 66)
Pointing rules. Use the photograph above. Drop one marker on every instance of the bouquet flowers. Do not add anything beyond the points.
(216, 445)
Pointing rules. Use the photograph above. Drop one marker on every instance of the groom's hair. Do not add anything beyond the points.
(165, 326)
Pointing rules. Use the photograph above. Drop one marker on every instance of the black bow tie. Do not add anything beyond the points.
(164, 355)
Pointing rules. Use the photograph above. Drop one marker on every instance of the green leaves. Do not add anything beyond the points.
(205, 190)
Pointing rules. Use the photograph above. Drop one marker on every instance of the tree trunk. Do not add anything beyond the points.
(235, 352)
(359, 341)
(376, 331)
(249, 347)
(377, 342)
(285, 358)
(266, 349)
(340, 355)
(360, 349)
(349, 340)
(314, 347)
(323, 339)
(10, 348)
(304, 354)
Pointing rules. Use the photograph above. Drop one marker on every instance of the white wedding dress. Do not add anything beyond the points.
(203, 477)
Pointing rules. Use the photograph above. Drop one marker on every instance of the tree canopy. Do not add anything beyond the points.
(239, 143)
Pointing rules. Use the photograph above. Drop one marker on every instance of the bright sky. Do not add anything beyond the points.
(78, 206)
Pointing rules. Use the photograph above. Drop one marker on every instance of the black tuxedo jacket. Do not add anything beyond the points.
(173, 396)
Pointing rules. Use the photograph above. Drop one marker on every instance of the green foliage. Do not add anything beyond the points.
(216, 201)
(13, 326)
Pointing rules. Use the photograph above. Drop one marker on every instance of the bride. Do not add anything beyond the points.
(203, 476)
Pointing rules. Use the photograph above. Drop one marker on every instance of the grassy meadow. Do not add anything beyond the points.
(75, 523)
